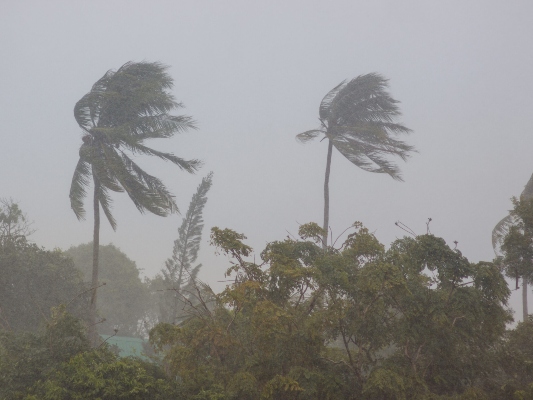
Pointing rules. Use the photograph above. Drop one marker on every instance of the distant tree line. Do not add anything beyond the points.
(416, 321)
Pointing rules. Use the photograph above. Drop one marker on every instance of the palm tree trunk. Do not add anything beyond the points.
(524, 299)
(93, 337)
(326, 196)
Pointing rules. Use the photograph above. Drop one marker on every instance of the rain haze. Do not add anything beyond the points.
(252, 74)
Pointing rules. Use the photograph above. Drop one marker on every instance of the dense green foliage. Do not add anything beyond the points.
(47, 355)
(57, 363)
(32, 280)
(122, 301)
(416, 321)
(26, 358)
(100, 374)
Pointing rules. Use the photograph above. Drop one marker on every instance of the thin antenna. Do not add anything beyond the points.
(342, 233)
(405, 228)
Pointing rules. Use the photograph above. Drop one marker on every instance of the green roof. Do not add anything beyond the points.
(128, 346)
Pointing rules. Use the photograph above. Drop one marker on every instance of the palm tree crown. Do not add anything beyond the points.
(122, 110)
(358, 119)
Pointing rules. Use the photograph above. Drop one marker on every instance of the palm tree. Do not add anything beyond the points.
(358, 119)
(123, 109)
(513, 224)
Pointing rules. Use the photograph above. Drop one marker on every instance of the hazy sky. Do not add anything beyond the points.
(253, 74)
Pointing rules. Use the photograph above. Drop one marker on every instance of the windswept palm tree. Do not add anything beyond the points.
(124, 109)
(358, 119)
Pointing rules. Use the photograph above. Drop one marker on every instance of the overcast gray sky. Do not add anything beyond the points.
(253, 74)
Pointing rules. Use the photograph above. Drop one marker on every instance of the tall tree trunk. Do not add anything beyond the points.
(326, 196)
(93, 336)
(524, 299)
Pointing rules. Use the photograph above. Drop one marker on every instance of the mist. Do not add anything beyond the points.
(252, 75)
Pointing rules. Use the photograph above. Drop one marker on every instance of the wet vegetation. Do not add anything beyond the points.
(305, 318)
(356, 320)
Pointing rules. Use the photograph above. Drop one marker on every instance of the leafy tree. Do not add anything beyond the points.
(14, 224)
(243, 351)
(32, 280)
(417, 321)
(452, 316)
(124, 109)
(176, 284)
(516, 361)
(100, 374)
(27, 357)
(357, 118)
(57, 363)
(123, 300)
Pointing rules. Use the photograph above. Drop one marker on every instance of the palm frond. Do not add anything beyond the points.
(372, 133)
(103, 167)
(159, 126)
(148, 71)
(307, 136)
(137, 89)
(80, 181)
(190, 166)
(369, 147)
(503, 227)
(366, 157)
(326, 102)
(123, 109)
(111, 168)
(105, 202)
(87, 109)
(364, 99)
(147, 127)
(146, 191)
(500, 231)
(142, 198)
(152, 184)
